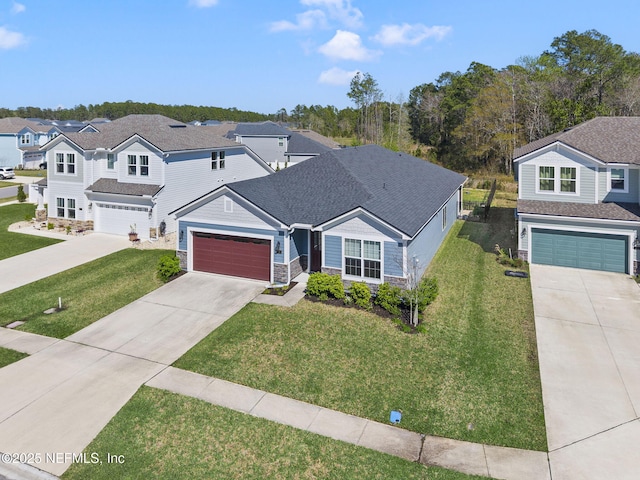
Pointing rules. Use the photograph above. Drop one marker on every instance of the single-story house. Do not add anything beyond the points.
(365, 213)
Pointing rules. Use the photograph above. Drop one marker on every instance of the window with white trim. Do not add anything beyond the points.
(547, 179)
(217, 160)
(559, 180)
(362, 258)
(59, 162)
(132, 165)
(66, 208)
(111, 161)
(281, 141)
(71, 208)
(444, 217)
(71, 163)
(25, 139)
(618, 180)
(144, 165)
(568, 179)
(60, 207)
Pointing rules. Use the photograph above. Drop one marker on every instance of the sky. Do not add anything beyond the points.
(264, 55)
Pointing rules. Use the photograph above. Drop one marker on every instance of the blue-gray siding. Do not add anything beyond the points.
(605, 195)
(239, 231)
(393, 259)
(587, 183)
(332, 251)
(298, 244)
(425, 245)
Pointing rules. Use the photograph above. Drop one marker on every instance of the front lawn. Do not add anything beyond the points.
(8, 356)
(474, 375)
(89, 292)
(16, 243)
(165, 435)
(4, 183)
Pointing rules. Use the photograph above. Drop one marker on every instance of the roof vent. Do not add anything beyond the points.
(182, 125)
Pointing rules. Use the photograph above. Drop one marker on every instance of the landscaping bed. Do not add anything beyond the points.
(472, 376)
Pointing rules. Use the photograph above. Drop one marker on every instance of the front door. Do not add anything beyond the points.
(316, 251)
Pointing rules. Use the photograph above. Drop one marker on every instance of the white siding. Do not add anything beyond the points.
(155, 165)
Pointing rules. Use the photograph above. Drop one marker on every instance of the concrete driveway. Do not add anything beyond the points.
(588, 333)
(58, 399)
(37, 264)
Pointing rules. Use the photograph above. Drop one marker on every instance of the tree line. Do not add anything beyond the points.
(467, 121)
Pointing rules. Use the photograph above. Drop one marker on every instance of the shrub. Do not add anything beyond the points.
(361, 294)
(389, 297)
(22, 197)
(49, 226)
(425, 294)
(421, 328)
(323, 285)
(168, 266)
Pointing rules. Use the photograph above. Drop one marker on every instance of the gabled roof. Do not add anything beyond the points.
(302, 145)
(15, 124)
(315, 136)
(609, 139)
(401, 190)
(163, 132)
(110, 185)
(264, 129)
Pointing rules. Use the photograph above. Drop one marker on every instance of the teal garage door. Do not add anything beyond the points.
(593, 251)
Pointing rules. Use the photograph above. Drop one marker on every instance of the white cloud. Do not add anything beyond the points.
(340, 10)
(347, 46)
(17, 8)
(406, 34)
(337, 76)
(203, 3)
(305, 21)
(9, 39)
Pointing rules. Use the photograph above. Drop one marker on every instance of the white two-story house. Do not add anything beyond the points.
(579, 196)
(130, 173)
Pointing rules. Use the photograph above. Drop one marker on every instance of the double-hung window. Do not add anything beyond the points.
(60, 207)
(144, 165)
(24, 139)
(71, 163)
(217, 160)
(132, 165)
(568, 179)
(222, 161)
(71, 208)
(59, 162)
(547, 179)
(618, 180)
(362, 258)
(111, 161)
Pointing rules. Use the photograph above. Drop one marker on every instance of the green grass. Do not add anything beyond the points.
(7, 200)
(31, 173)
(9, 356)
(167, 436)
(89, 292)
(474, 194)
(4, 183)
(16, 243)
(476, 365)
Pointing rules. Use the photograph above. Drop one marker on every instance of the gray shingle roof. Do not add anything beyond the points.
(301, 145)
(608, 211)
(165, 133)
(326, 141)
(110, 185)
(401, 190)
(268, 128)
(609, 139)
(15, 124)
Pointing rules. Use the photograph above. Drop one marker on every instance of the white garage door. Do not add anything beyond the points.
(118, 219)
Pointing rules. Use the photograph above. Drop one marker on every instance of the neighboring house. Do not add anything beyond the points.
(579, 194)
(303, 146)
(365, 213)
(267, 139)
(17, 133)
(135, 170)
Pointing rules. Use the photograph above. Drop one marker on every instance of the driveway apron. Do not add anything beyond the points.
(588, 332)
(37, 264)
(57, 400)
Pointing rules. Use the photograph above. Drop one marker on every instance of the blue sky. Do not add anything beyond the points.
(263, 55)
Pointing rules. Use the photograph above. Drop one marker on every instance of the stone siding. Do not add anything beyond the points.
(74, 224)
(182, 255)
(298, 266)
(524, 255)
(280, 271)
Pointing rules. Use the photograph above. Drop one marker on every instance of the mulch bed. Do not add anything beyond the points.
(279, 291)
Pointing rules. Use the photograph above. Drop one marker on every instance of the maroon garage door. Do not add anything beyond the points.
(229, 255)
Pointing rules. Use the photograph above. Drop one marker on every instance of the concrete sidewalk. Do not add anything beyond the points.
(37, 264)
(470, 458)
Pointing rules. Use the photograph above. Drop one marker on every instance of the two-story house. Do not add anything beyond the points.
(130, 173)
(579, 195)
(17, 134)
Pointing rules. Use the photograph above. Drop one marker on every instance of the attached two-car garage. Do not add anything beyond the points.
(232, 255)
(593, 251)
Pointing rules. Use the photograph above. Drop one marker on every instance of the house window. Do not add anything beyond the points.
(547, 179)
(71, 208)
(71, 163)
(214, 160)
(568, 179)
(444, 217)
(222, 161)
(144, 165)
(111, 161)
(24, 139)
(280, 141)
(60, 207)
(132, 165)
(618, 177)
(59, 162)
(362, 258)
